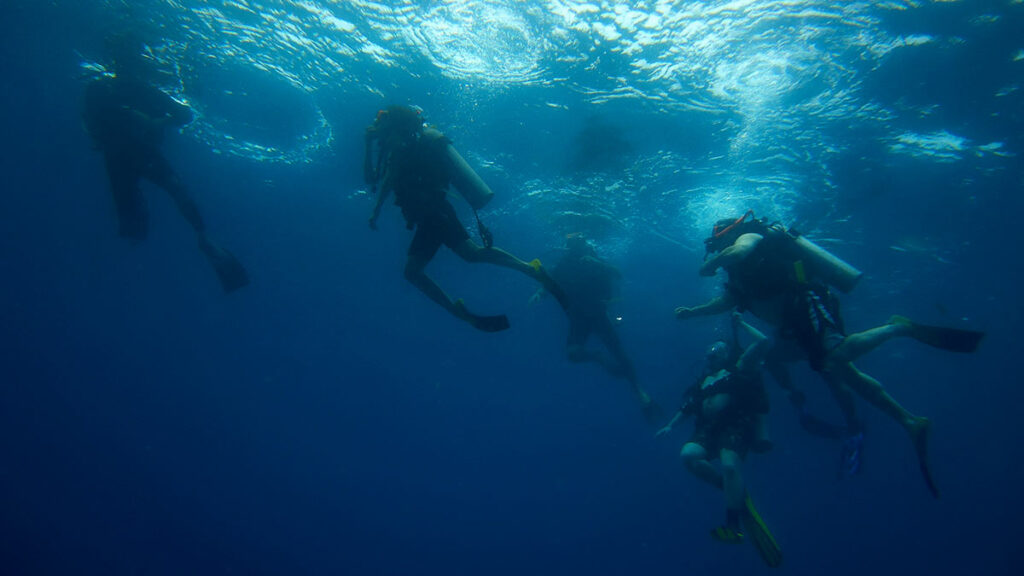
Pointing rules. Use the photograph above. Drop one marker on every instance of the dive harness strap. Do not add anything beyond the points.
(485, 233)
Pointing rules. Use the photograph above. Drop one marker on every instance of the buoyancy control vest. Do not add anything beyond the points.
(746, 389)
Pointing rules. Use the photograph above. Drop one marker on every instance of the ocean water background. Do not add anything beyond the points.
(328, 419)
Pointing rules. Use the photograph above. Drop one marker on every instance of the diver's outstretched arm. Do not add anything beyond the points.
(717, 305)
(668, 427)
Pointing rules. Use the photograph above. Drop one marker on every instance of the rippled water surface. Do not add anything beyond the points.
(774, 90)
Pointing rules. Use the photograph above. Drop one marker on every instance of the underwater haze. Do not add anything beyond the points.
(329, 419)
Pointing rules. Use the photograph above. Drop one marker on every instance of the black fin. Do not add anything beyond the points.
(229, 270)
(490, 323)
(951, 339)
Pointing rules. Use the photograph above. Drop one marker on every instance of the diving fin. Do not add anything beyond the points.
(490, 323)
(229, 270)
(920, 437)
(760, 537)
(481, 323)
(850, 454)
(944, 338)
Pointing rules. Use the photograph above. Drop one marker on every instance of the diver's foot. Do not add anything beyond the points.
(897, 320)
(762, 446)
(539, 273)
(905, 324)
(920, 430)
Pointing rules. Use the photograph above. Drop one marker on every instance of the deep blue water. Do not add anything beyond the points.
(328, 419)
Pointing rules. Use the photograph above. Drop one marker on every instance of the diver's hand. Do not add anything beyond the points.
(662, 431)
(373, 223)
(708, 269)
(684, 313)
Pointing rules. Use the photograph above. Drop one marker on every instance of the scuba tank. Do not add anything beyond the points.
(810, 261)
(824, 265)
(464, 179)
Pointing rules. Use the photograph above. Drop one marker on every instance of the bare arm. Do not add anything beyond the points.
(739, 250)
(756, 351)
(717, 305)
(668, 427)
(382, 195)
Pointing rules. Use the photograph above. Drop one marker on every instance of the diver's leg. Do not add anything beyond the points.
(838, 385)
(875, 394)
(623, 365)
(414, 273)
(775, 363)
(695, 457)
(762, 436)
(474, 253)
(575, 344)
(159, 171)
(732, 480)
(230, 271)
(856, 345)
(917, 427)
(132, 216)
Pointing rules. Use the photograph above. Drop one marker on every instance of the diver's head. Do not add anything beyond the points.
(727, 230)
(396, 122)
(717, 356)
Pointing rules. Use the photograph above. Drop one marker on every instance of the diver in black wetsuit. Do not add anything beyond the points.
(126, 117)
(589, 283)
(730, 405)
(418, 164)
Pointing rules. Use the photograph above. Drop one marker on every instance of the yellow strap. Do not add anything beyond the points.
(798, 269)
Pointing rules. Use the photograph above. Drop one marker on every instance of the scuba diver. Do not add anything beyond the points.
(784, 278)
(589, 284)
(126, 116)
(730, 405)
(418, 163)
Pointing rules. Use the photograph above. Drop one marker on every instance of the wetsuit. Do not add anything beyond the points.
(126, 119)
(734, 427)
(588, 284)
(419, 173)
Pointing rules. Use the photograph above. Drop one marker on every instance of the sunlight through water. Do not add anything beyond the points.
(773, 80)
